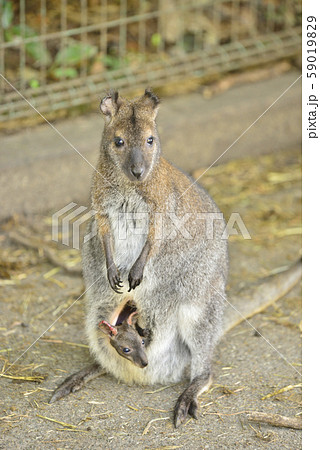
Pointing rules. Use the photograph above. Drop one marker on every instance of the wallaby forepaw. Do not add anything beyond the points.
(184, 406)
(114, 279)
(135, 277)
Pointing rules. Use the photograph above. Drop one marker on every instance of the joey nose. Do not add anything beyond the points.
(137, 171)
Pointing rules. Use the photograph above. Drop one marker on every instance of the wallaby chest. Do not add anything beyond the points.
(128, 219)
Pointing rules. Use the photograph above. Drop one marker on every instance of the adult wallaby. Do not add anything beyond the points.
(126, 340)
(160, 234)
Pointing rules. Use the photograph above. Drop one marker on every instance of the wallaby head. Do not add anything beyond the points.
(130, 139)
(126, 340)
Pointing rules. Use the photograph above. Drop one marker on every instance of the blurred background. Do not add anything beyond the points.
(63, 54)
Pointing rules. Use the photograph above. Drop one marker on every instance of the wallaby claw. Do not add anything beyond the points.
(180, 414)
(133, 279)
(184, 406)
(114, 279)
(76, 381)
(194, 409)
(71, 384)
(115, 286)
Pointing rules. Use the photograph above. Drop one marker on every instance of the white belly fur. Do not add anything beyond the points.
(166, 362)
(129, 226)
(168, 358)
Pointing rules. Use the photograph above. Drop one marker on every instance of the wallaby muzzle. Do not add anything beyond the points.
(136, 166)
(142, 364)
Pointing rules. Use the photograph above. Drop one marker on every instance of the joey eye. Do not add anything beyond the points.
(118, 142)
(150, 140)
(126, 350)
(142, 341)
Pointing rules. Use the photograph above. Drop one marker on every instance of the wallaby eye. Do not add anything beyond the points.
(118, 142)
(142, 341)
(126, 350)
(150, 140)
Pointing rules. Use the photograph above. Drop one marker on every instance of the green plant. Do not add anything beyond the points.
(64, 72)
(7, 14)
(112, 62)
(69, 59)
(156, 39)
(36, 50)
(74, 53)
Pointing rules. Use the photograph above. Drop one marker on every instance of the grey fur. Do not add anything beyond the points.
(181, 294)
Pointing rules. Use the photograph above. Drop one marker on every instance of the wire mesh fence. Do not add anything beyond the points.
(62, 54)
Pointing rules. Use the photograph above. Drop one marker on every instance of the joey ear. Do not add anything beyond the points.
(151, 101)
(110, 104)
(132, 319)
(107, 328)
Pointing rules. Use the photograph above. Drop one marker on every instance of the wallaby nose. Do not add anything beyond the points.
(144, 363)
(137, 171)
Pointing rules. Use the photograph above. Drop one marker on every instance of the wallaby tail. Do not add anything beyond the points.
(257, 296)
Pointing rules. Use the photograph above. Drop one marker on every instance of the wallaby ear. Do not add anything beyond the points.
(110, 104)
(107, 328)
(132, 319)
(151, 101)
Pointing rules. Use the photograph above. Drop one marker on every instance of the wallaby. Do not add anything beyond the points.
(161, 234)
(126, 340)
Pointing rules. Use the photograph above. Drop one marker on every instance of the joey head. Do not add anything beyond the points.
(126, 340)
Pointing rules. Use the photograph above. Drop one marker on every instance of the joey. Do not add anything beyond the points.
(126, 340)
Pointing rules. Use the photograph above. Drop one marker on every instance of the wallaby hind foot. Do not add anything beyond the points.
(187, 403)
(76, 381)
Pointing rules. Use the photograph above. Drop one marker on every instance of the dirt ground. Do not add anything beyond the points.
(42, 314)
